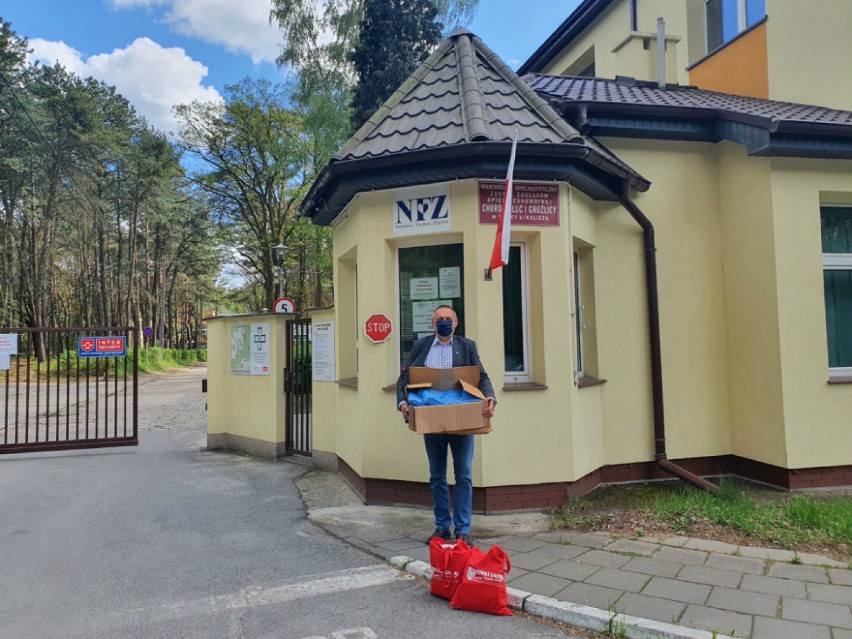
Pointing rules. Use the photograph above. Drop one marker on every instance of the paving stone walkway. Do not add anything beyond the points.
(732, 590)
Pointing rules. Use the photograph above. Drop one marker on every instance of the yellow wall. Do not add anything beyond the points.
(809, 52)
(248, 406)
(323, 402)
(751, 304)
(618, 51)
(816, 413)
(682, 205)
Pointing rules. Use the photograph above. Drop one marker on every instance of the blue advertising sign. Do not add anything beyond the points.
(112, 346)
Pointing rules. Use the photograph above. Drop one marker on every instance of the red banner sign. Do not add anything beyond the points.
(532, 204)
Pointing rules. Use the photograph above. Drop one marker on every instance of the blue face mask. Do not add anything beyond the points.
(445, 327)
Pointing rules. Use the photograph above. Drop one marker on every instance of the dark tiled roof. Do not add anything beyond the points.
(598, 91)
(454, 118)
(462, 93)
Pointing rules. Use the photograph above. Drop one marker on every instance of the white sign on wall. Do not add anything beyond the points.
(322, 353)
(260, 360)
(450, 281)
(421, 210)
(250, 349)
(424, 288)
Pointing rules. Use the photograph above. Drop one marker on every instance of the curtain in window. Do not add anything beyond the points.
(513, 313)
(837, 239)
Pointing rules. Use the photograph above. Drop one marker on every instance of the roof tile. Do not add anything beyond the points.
(463, 93)
(597, 90)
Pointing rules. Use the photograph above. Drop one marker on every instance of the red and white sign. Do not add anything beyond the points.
(533, 204)
(284, 305)
(378, 328)
(87, 344)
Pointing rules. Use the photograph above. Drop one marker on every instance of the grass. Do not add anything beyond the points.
(789, 521)
(744, 514)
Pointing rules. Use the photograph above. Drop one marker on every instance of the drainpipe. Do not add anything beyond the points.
(656, 357)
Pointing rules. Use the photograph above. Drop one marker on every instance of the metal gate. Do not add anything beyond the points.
(298, 387)
(56, 399)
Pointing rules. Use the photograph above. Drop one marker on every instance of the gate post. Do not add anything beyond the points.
(245, 383)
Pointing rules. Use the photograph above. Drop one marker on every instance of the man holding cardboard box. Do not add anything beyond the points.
(445, 350)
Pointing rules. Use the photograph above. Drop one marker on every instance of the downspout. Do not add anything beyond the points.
(656, 357)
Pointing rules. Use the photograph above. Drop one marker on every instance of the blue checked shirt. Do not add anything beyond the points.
(440, 355)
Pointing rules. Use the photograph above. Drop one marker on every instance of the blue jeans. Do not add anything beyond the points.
(461, 447)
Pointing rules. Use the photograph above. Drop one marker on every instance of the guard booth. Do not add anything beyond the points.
(413, 200)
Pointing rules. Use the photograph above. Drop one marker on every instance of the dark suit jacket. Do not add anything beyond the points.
(464, 354)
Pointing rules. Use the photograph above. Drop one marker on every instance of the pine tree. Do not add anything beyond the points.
(396, 37)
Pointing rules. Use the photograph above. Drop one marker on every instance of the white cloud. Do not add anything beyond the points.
(124, 4)
(151, 77)
(50, 53)
(240, 26)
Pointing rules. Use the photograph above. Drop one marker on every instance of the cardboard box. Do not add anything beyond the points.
(457, 419)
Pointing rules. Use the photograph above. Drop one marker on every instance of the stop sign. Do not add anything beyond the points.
(378, 327)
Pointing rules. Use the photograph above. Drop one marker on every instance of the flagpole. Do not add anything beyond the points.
(500, 252)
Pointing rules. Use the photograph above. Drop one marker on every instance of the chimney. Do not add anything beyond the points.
(661, 53)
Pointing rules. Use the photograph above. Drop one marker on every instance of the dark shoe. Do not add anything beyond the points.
(440, 534)
(465, 538)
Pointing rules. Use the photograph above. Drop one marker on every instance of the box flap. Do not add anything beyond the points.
(419, 386)
(444, 378)
(470, 388)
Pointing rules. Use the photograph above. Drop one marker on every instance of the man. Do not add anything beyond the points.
(445, 350)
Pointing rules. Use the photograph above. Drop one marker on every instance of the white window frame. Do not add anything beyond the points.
(742, 23)
(837, 262)
(579, 327)
(524, 376)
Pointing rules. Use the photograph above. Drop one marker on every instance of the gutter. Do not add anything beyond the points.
(656, 356)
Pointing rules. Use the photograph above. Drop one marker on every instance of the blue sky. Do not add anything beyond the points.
(164, 52)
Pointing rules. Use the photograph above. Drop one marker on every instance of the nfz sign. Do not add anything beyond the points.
(421, 210)
(102, 346)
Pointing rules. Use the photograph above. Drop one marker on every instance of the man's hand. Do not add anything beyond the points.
(404, 410)
(488, 411)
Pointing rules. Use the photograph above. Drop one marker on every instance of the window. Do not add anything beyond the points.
(726, 19)
(585, 333)
(428, 277)
(515, 320)
(837, 280)
(578, 319)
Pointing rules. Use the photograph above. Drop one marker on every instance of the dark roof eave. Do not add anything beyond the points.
(582, 166)
(761, 135)
(576, 23)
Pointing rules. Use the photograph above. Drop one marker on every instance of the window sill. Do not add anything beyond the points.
(840, 379)
(349, 382)
(389, 388)
(524, 386)
(585, 382)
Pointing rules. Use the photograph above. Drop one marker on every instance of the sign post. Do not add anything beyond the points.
(378, 328)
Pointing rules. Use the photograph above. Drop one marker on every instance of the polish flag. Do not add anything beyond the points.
(500, 253)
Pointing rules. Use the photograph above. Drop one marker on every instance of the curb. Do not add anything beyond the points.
(577, 615)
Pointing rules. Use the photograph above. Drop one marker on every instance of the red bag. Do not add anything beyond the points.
(448, 560)
(483, 586)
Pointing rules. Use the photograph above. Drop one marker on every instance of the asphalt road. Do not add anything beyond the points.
(169, 540)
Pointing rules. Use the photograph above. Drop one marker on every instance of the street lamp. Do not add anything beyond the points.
(278, 252)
